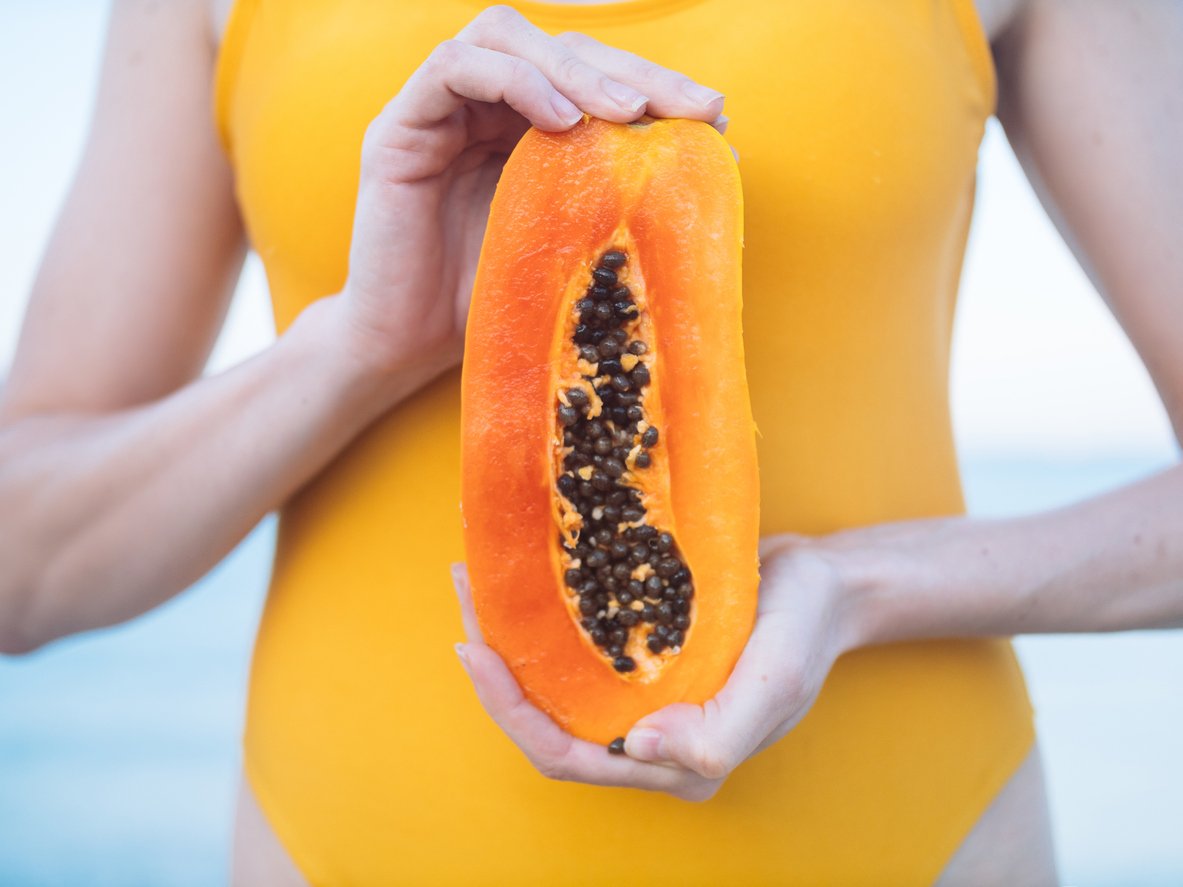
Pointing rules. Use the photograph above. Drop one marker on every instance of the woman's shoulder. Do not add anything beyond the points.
(996, 15)
(219, 14)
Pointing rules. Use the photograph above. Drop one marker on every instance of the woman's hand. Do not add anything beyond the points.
(431, 159)
(689, 750)
(1108, 564)
(800, 631)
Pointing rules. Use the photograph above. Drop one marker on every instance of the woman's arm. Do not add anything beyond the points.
(1112, 563)
(1091, 95)
(121, 480)
(1092, 98)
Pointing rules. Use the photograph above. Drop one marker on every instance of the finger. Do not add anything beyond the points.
(505, 30)
(557, 754)
(472, 628)
(497, 126)
(720, 126)
(758, 701)
(670, 94)
(771, 545)
(457, 72)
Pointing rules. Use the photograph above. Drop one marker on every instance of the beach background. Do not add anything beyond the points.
(119, 750)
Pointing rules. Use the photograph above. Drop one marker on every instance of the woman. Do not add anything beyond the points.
(125, 477)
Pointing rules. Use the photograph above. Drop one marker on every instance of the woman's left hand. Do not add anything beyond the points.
(689, 750)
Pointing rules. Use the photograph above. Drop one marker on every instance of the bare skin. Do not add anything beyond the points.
(258, 858)
(1011, 844)
(98, 433)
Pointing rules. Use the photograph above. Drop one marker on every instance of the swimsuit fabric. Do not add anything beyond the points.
(858, 124)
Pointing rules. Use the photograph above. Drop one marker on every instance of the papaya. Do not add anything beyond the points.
(610, 492)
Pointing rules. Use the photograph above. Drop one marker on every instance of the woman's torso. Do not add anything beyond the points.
(858, 124)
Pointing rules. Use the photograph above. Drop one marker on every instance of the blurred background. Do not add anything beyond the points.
(119, 749)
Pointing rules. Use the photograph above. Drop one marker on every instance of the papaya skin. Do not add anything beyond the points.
(670, 189)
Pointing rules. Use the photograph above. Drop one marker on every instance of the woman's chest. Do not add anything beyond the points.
(853, 118)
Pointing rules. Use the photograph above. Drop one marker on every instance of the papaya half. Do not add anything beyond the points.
(610, 493)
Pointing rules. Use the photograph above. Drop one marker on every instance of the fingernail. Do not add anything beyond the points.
(463, 654)
(457, 571)
(700, 94)
(568, 113)
(625, 96)
(721, 123)
(645, 744)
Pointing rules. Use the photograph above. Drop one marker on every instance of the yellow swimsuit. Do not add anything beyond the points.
(858, 124)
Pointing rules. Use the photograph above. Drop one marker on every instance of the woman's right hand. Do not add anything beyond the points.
(432, 157)
(104, 426)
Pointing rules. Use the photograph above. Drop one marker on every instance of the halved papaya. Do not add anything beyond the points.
(609, 482)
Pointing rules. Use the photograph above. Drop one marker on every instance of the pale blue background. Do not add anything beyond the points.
(119, 750)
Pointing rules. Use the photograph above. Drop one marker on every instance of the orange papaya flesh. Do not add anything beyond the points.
(609, 484)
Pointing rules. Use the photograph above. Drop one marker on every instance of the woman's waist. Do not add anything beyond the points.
(395, 494)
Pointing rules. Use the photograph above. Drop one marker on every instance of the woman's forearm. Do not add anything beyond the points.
(103, 517)
(1110, 563)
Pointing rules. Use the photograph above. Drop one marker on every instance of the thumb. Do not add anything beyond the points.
(714, 738)
(782, 542)
(685, 735)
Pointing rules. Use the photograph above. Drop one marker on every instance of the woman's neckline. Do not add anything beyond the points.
(594, 12)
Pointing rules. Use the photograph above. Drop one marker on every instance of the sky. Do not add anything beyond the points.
(1039, 369)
